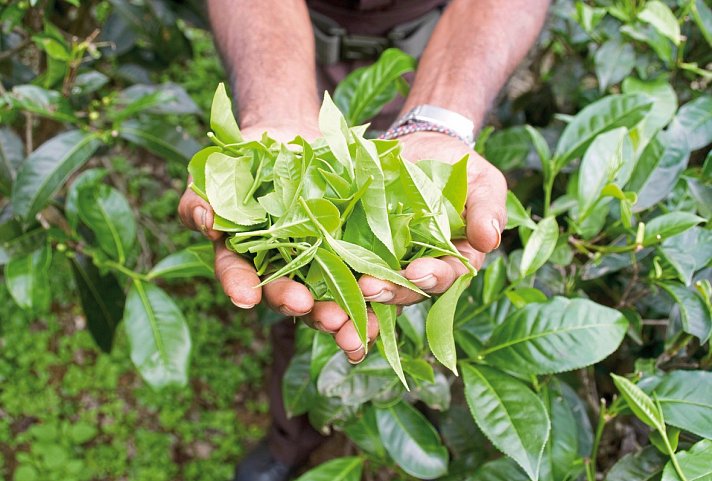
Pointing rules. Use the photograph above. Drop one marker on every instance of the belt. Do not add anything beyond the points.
(335, 44)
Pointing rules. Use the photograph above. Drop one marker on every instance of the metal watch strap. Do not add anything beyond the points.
(450, 122)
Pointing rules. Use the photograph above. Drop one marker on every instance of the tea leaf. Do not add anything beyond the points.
(439, 324)
(540, 246)
(339, 469)
(386, 315)
(509, 414)
(222, 120)
(158, 335)
(227, 182)
(642, 406)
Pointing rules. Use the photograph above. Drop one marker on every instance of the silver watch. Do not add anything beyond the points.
(459, 124)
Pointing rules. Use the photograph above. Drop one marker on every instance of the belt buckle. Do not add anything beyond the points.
(362, 47)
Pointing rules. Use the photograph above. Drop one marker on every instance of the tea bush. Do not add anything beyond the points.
(583, 345)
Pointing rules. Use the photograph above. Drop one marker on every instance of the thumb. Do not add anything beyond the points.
(485, 210)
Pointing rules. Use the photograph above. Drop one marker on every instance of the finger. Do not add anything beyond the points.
(347, 339)
(288, 297)
(196, 214)
(378, 290)
(327, 316)
(432, 275)
(237, 277)
(475, 257)
(485, 213)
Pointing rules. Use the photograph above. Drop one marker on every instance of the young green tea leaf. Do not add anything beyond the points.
(339, 469)
(540, 246)
(222, 120)
(439, 324)
(386, 315)
(227, 183)
(640, 403)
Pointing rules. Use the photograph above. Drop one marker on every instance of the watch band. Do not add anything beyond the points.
(442, 120)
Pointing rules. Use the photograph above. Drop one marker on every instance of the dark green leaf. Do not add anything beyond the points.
(439, 324)
(160, 138)
(559, 335)
(561, 459)
(686, 400)
(102, 300)
(502, 469)
(364, 92)
(614, 61)
(108, 214)
(298, 389)
(47, 103)
(363, 431)
(703, 17)
(645, 465)
(12, 152)
(694, 311)
(323, 349)
(508, 148)
(47, 168)
(509, 414)
(87, 179)
(695, 463)
(158, 335)
(412, 441)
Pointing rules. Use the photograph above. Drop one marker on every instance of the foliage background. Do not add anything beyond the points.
(69, 410)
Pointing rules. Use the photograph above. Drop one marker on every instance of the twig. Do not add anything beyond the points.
(28, 133)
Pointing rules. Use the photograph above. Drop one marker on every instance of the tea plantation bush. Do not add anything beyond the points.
(580, 351)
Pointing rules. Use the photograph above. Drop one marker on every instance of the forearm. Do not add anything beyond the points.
(473, 51)
(268, 50)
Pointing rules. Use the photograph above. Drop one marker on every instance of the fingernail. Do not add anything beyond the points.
(425, 282)
(203, 227)
(498, 230)
(240, 305)
(356, 356)
(384, 296)
(289, 312)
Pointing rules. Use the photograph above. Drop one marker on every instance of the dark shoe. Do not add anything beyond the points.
(260, 465)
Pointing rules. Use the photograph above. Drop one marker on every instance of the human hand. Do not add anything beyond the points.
(485, 218)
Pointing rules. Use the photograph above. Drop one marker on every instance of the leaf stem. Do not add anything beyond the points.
(602, 414)
(125, 270)
(673, 458)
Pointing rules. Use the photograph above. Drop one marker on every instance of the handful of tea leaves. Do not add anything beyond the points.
(321, 211)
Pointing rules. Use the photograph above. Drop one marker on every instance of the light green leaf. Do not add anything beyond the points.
(495, 280)
(196, 169)
(540, 246)
(614, 60)
(668, 225)
(345, 290)
(412, 441)
(339, 469)
(694, 122)
(508, 148)
(640, 403)
(370, 175)
(509, 414)
(601, 164)
(686, 400)
(664, 98)
(659, 15)
(194, 261)
(158, 335)
(695, 463)
(542, 149)
(47, 168)
(559, 335)
(439, 324)
(516, 214)
(386, 315)
(227, 184)
(222, 120)
(336, 132)
(606, 114)
(26, 279)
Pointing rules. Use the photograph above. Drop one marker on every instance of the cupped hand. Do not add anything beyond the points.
(485, 217)
(236, 274)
